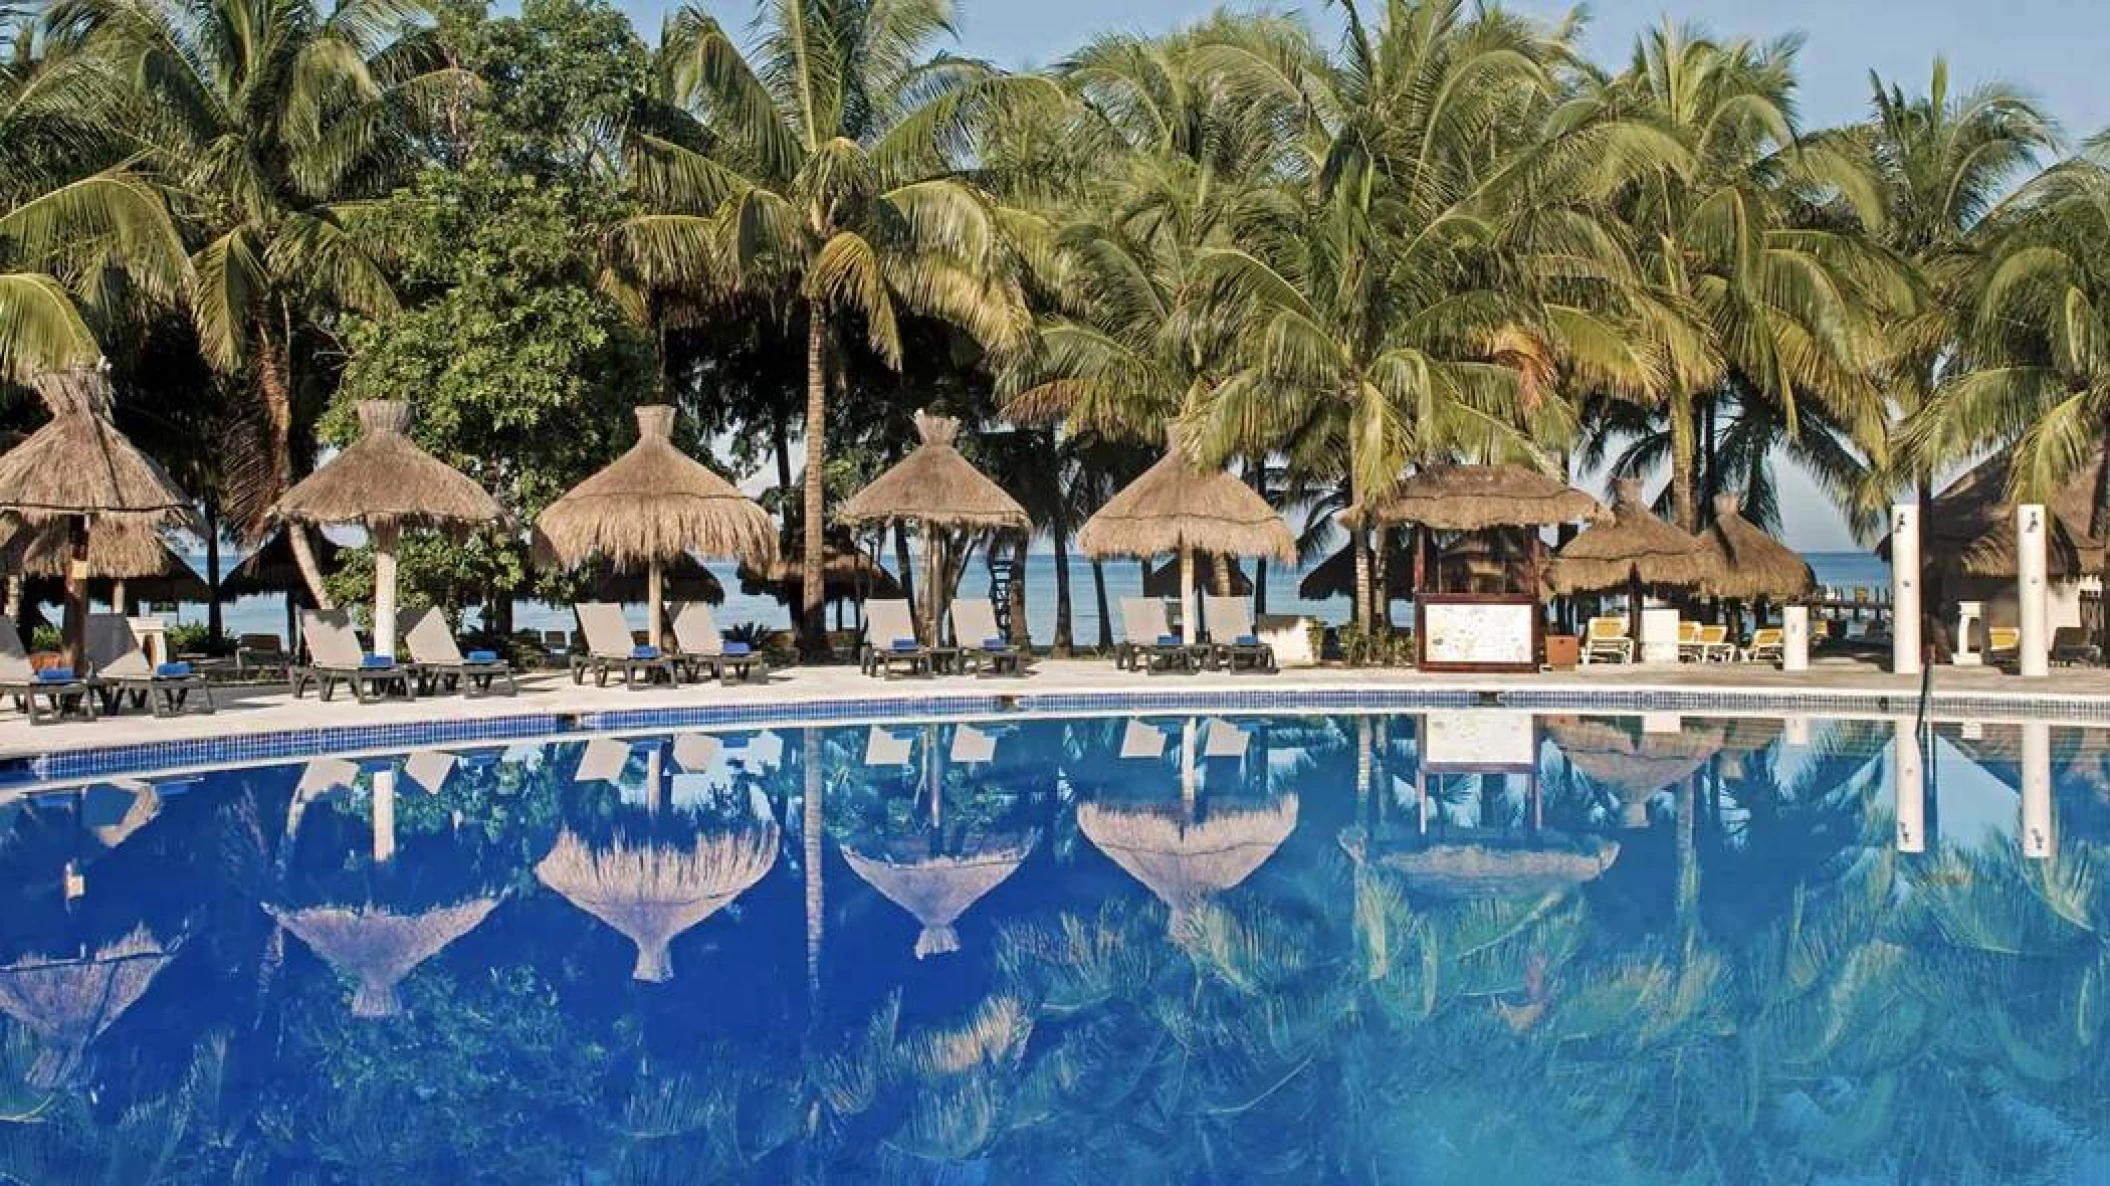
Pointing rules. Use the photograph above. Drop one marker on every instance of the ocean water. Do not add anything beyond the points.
(1458, 946)
(1123, 579)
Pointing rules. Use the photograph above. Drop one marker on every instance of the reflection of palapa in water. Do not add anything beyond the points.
(380, 946)
(1635, 764)
(1184, 861)
(938, 887)
(1467, 871)
(68, 1002)
(652, 893)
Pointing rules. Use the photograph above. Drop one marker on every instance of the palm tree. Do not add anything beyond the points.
(825, 167)
(268, 121)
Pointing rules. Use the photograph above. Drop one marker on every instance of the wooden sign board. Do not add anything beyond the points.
(1470, 632)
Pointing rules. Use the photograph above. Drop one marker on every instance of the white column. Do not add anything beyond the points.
(1795, 638)
(1190, 782)
(385, 590)
(1905, 588)
(2030, 591)
(384, 815)
(1188, 633)
(2036, 791)
(655, 591)
(1908, 778)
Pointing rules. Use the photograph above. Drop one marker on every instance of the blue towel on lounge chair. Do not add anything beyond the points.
(644, 652)
(481, 657)
(995, 644)
(172, 671)
(1168, 640)
(55, 675)
(735, 649)
(907, 644)
(378, 661)
(1247, 640)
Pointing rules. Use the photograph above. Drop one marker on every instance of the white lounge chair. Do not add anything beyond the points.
(440, 660)
(123, 673)
(43, 695)
(699, 647)
(1605, 641)
(1233, 642)
(890, 640)
(336, 656)
(1150, 640)
(983, 646)
(609, 647)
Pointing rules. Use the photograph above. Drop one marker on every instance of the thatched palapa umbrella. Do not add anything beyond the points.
(846, 573)
(653, 893)
(1176, 509)
(1970, 527)
(273, 568)
(383, 482)
(1481, 498)
(649, 508)
(126, 563)
(67, 1002)
(1551, 864)
(938, 887)
(940, 491)
(379, 946)
(77, 471)
(1634, 551)
(683, 579)
(1749, 564)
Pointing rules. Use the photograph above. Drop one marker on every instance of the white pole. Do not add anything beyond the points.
(2036, 791)
(385, 590)
(1187, 614)
(1190, 786)
(655, 591)
(2030, 591)
(1905, 588)
(1909, 781)
(384, 815)
(1795, 638)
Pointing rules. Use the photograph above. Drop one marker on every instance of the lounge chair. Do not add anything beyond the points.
(49, 695)
(1715, 646)
(1689, 650)
(259, 653)
(1605, 641)
(441, 664)
(123, 674)
(890, 640)
(1769, 644)
(2003, 646)
(336, 656)
(699, 647)
(2071, 647)
(1233, 642)
(982, 646)
(609, 646)
(1150, 641)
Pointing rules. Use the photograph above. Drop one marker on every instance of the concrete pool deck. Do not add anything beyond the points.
(1832, 687)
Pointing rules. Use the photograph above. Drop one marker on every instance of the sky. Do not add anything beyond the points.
(2049, 48)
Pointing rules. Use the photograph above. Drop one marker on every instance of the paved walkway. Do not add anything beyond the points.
(1962, 693)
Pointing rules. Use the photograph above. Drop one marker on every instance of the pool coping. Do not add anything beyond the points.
(74, 763)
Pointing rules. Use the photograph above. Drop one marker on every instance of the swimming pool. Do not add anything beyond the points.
(1457, 945)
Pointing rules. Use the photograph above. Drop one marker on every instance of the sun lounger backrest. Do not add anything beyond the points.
(607, 634)
(696, 629)
(331, 640)
(14, 657)
(1605, 628)
(888, 621)
(1143, 620)
(429, 639)
(113, 649)
(1229, 618)
(974, 622)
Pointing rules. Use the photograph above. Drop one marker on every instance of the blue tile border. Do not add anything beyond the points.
(103, 762)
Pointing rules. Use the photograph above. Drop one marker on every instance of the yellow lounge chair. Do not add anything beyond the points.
(1605, 641)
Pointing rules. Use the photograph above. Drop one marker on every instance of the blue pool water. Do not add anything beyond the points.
(1460, 946)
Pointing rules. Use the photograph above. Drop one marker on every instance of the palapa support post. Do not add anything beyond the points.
(386, 537)
(655, 603)
(1187, 614)
(73, 628)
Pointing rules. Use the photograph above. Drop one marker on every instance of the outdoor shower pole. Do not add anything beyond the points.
(1905, 592)
(2030, 591)
(2036, 791)
(1908, 776)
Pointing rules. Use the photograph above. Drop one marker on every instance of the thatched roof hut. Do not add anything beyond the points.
(684, 579)
(68, 1002)
(938, 887)
(78, 464)
(1749, 564)
(1635, 547)
(846, 573)
(379, 946)
(937, 486)
(1472, 871)
(272, 568)
(1176, 509)
(653, 893)
(137, 556)
(654, 504)
(1184, 861)
(384, 480)
(1626, 758)
(1477, 497)
(1335, 577)
(1969, 529)
(1163, 580)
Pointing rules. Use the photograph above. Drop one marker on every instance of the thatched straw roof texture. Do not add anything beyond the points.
(1335, 576)
(653, 893)
(939, 887)
(79, 464)
(1475, 871)
(117, 551)
(1163, 580)
(1635, 542)
(1635, 763)
(1970, 527)
(684, 579)
(379, 946)
(1182, 861)
(1175, 507)
(1477, 497)
(935, 485)
(271, 568)
(1749, 564)
(384, 479)
(67, 1002)
(654, 503)
(846, 573)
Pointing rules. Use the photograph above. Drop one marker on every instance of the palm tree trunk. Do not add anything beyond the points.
(310, 569)
(903, 562)
(780, 429)
(1222, 567)
(1683, 509)
(1360, 542)
(274, 376)
(215, 619)
(1020, 635)
(1256, 477)
(1065, 629)
(1106, 617)
(1711, 453)
(813, 624)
